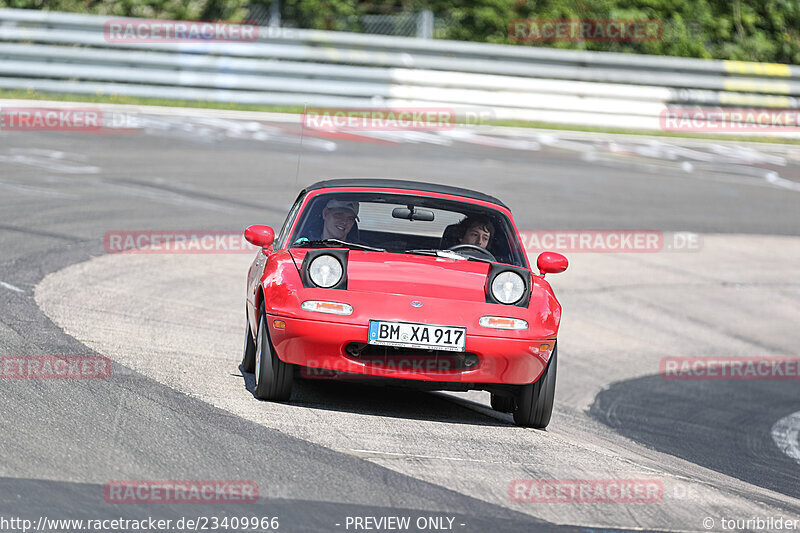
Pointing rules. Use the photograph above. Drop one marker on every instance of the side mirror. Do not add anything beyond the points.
(551, 263)
(259, 235)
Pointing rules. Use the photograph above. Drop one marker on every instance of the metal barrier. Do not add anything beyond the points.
(70, 53)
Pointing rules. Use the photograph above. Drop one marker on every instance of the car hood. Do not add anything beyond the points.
(413, 275)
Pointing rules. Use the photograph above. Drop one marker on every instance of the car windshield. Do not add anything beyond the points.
(404, 223)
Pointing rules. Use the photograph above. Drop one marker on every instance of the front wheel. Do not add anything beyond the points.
(534, 403)
(274, 378)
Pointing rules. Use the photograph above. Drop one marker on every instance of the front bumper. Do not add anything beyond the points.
(323, 345)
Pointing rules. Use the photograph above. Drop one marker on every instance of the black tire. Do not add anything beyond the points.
(502, 404)
(534, 403)
(274, 378)
(249, 356)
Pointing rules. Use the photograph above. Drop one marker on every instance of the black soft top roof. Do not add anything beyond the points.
(405, 184)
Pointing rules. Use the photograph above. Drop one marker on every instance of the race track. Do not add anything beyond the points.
(177, 406)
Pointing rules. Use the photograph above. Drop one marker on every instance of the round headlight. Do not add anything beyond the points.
(325, 271)
(508, 287)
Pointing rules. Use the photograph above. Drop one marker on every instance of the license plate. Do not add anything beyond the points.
(408, 335)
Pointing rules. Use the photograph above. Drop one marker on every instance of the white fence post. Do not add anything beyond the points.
(425, 24)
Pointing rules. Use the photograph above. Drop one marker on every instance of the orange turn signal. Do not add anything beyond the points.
(279, 324)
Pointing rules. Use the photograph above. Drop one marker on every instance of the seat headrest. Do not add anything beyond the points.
(450, 237)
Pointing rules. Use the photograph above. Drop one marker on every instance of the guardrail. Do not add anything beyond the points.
(70, 53)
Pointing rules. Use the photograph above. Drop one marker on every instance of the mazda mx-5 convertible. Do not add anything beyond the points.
(412, 283)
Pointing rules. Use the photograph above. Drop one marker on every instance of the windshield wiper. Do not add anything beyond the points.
(449, 254)
(302, 242)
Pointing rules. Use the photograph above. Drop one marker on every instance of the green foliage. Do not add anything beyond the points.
(152, 9)
(748, 30)
(335, 15)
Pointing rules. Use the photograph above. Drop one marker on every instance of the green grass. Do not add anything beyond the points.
(132, 100)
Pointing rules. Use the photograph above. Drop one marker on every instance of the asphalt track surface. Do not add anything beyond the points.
(177, 406)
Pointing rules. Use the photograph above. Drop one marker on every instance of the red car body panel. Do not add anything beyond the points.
(413, 275)
(381, 286)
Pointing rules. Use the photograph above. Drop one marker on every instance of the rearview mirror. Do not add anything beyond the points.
(551, 263)
(412, 213)
(259, 235)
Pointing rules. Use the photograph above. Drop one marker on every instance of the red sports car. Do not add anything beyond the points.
(408, 282)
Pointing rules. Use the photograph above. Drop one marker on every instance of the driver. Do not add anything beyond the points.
(338, 218)
(476, 230)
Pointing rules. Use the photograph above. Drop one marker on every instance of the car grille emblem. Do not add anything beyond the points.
(416, 303)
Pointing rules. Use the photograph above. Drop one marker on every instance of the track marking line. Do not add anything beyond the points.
(11, 287)
(785, 433)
